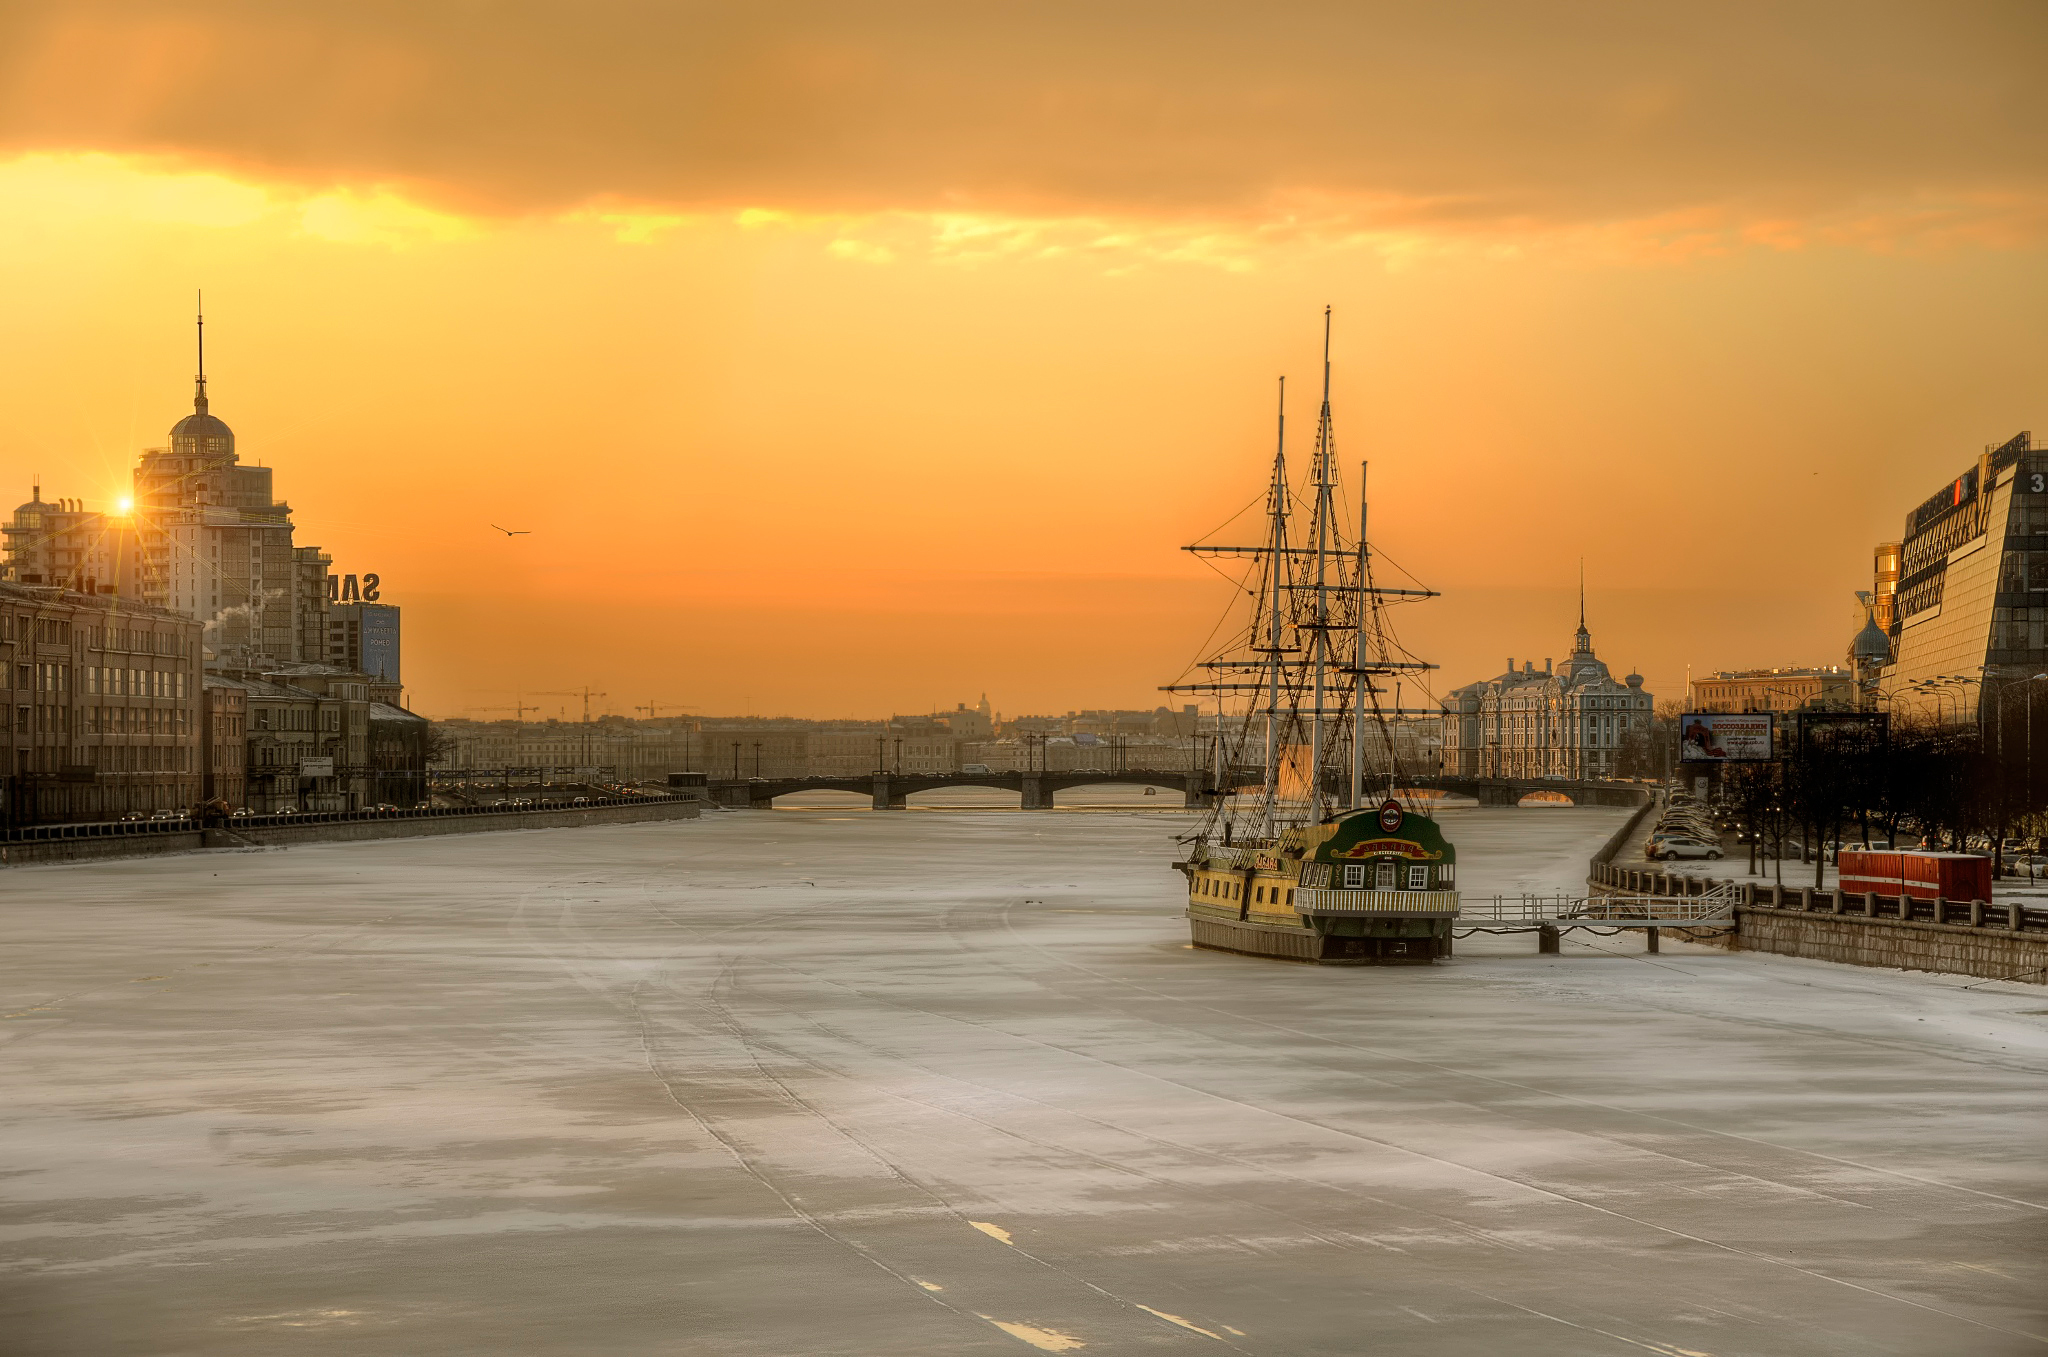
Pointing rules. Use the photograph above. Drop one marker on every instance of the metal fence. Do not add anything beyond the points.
(2016, 916)
(186, 824)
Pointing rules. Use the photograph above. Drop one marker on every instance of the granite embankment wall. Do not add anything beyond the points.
(2003, 940)
(342, 829)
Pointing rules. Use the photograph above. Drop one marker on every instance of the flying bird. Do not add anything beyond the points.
(514, 532)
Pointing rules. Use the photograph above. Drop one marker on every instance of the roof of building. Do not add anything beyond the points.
(200, 425)
(384, 711)
(1872, 644)
(44, 595)
(262, 688)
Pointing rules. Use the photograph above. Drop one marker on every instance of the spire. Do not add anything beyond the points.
(1582, 642)
(199, 383)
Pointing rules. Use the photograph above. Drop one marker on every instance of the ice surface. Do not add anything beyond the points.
(830, 1081)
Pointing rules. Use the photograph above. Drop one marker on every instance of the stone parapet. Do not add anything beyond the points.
(1910, 945)
(344, 830)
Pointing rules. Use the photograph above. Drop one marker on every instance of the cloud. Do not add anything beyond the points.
(1651, 126)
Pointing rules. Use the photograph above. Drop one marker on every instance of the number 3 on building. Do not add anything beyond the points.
(2037, 482)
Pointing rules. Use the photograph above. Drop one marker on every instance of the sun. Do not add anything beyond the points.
(124, 505)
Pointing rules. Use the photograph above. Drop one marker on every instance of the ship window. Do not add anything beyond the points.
(1385, 877)
(1418, 878)
(1259, 896)
(1354, 876)
(1445, 874)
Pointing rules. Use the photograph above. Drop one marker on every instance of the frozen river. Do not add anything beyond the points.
(825, 1081)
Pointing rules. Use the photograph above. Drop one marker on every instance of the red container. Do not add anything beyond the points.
(1923, 876)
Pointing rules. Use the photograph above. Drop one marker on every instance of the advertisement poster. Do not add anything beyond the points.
(1724, 737)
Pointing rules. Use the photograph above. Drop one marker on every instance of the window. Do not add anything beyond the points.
(1384, 877)
(1259, 895)
(1418, 877)
(1354, 876)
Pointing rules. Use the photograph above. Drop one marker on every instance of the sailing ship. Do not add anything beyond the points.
(1302, 854)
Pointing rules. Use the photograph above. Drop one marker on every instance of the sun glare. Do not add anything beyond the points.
(124, 505)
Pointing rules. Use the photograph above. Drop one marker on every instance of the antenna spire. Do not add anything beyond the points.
(199, 382)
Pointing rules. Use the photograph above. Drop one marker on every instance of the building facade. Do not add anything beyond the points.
(1574, 722)
(1830, 687)
(224, 743)
(364, 637)
(104, 717)
(1971, 610)
(216, 543)
(62, 543)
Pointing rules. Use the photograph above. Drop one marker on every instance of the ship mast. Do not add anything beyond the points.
(1315, 610)
(1324, 515)
(1276, 508)
(1357, 797)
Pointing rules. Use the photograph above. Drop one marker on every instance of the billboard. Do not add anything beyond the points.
(1724, 737)
(316, 767)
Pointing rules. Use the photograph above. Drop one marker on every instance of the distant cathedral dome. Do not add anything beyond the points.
(1871, 646)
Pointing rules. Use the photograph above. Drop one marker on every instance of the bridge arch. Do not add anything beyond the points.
(988, 793)
(840, 798)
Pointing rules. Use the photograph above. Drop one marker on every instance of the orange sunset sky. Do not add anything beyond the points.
(853, 358)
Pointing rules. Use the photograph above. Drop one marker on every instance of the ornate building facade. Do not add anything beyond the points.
(1571, 722)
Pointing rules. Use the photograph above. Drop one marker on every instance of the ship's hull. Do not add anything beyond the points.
(1376, 942)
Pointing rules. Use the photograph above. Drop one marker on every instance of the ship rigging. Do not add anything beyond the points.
(1301, 690)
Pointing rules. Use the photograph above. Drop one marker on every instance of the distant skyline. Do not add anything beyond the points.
(838, 357)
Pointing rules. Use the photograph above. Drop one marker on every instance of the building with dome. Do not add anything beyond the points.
(203, 534)
(1571, 722)
(215, 542)
(1870, 650)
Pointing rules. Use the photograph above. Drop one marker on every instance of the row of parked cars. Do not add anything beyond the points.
(1686, 829)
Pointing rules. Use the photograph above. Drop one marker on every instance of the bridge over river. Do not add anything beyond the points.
(890, 791)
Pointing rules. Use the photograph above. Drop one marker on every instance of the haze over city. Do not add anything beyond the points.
(849, 360)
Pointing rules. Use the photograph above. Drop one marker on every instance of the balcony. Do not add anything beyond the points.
(1440, 904)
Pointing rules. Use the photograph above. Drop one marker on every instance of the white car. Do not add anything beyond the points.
(1667, 849)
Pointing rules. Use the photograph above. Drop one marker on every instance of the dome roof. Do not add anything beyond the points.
(1871, 645)
(199, 432)
(203, 426)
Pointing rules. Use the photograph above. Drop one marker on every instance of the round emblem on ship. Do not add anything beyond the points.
(1390, 815)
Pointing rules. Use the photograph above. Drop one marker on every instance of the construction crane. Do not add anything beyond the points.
(653, 709)
(519, 708)
(586, 694)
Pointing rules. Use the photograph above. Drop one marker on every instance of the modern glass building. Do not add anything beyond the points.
(1970, 612)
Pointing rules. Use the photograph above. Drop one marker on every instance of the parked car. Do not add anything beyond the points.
(1668, 849)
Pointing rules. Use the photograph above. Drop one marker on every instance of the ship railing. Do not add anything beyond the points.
(1442, 904)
